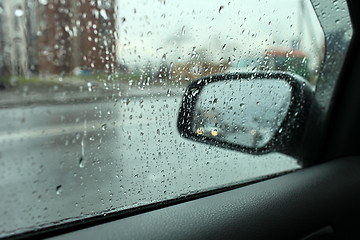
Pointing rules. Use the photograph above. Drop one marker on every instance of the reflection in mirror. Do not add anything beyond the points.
(244, 112)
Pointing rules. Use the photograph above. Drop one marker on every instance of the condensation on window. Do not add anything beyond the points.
(90, 92)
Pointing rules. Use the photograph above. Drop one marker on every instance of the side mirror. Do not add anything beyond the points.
(255, 113)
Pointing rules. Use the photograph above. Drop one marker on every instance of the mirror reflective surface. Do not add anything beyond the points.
(244, 112)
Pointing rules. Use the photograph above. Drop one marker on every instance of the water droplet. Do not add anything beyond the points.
(224, 47)
(43, 2)
(104, 14)
(19, 12)
(81, 162)
(183, 30)
(58, 190)
(221, 8)
(164, 57)
(89, 85)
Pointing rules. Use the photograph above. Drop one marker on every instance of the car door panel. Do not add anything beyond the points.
(286, 207)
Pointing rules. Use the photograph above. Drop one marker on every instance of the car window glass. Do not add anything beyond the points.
(90, 92)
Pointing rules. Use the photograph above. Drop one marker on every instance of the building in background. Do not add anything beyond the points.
(57, 37)
(77, 35)
(13, 38)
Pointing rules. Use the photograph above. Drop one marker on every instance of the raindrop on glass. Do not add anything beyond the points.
(19, 12)
(81, 162)
(58, 190)
(221, 8)
(43, 2)
(183, 30)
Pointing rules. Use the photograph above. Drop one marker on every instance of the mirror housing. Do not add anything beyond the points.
(286, 138)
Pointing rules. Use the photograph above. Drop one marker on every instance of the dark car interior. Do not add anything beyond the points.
(318, 202)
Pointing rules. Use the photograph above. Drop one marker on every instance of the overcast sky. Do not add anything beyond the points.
(169, 30)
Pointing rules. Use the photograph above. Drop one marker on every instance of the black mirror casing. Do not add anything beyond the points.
(287, 139)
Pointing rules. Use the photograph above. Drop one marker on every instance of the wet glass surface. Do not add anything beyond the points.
(242, 111)
(90, 92)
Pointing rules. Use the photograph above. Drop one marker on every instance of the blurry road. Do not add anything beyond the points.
(66, 161)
